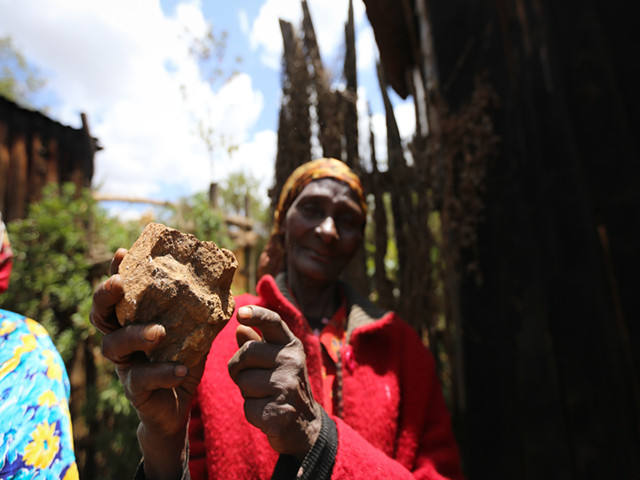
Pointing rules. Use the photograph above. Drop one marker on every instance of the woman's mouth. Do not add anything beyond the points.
(319, 256)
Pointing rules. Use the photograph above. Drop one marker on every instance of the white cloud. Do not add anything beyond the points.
(189, 17)
(405, 118)
(110, 60)
(329, 17)
(366, 48)
(243, 20)
(256, 158)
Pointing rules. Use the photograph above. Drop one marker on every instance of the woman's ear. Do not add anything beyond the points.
(272, 259)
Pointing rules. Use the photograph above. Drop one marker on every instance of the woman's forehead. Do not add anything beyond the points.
(328, 186)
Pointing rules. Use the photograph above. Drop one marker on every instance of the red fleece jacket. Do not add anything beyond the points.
(395, 424)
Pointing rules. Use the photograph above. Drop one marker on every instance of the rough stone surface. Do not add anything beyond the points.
(183, 283)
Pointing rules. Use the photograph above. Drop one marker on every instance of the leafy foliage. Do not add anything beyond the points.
(238, 196)
(49, 281)
(52, 281)
(195, 215)
(18, 80)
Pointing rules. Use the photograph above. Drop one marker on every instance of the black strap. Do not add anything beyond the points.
(318, 463)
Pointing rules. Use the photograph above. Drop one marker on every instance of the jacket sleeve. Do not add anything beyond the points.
(425, 445)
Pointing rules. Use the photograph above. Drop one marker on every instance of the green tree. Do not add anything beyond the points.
(238, 195)
(194, 215)
(49, 281)
(19, 81)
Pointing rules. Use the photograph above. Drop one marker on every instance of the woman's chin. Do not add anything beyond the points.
(317, 272)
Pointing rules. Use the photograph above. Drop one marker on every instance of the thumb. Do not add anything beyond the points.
(244, 334)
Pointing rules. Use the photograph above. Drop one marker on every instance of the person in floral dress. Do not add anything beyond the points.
(36, 440)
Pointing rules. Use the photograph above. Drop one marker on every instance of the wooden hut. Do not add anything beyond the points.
(36, 150)
(551, 351)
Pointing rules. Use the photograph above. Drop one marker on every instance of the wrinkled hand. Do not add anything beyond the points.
(271, 373)
(161, 393)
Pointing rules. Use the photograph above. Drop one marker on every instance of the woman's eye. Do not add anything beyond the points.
(349, 222)
(346, 219)
(310, 210)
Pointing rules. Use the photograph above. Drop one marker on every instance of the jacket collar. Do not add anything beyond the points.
(360, 310)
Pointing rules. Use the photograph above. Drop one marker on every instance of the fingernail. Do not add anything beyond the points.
(245, 312)
(153, 332)
(108, 285)
(180, 371)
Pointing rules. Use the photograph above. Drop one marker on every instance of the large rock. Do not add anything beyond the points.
(183, 283)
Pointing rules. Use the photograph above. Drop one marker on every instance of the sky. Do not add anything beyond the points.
(127, 65)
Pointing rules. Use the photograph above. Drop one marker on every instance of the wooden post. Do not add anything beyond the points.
(18, 174)
(38, 170)
(383, 285)
(357, 270)
(53, 173)
(213, 195)
(351, 94)
(5, 159)
(294, 123)
(329, 119)
(88, 154)
(398, 188)
(429, 66)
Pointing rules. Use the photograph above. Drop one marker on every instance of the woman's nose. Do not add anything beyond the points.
(327, 229)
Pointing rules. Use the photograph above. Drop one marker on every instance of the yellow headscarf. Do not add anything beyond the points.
(273, 255)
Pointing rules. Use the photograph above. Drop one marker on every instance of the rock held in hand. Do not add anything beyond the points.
(174, 279)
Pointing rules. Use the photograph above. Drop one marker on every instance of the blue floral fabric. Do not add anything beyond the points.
(36, 440)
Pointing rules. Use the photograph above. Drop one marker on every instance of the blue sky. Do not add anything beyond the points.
(227, 16)
(126, 63)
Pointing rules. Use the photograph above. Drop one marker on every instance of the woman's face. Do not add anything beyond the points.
(323, 229)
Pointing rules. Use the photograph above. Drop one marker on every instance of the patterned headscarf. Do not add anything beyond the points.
(271, 259)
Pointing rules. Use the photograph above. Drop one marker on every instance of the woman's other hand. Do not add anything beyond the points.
(161, 393)
(271, 373)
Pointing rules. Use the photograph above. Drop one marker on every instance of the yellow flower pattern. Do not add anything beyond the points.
(40, 452)
(72, 473)
(48, 399)
(35, 328)
(28, 344)
(53, 368)
(36, 440)
(7, 327)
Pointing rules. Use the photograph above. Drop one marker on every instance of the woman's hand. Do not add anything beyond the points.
(271, 373)
(161, 393)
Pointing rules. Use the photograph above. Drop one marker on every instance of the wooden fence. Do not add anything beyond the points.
(544, 296)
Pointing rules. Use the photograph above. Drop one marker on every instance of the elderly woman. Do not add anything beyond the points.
(332, 388)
